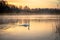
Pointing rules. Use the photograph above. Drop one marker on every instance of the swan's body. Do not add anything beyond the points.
(24, 25)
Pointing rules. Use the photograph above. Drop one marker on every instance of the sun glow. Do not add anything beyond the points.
(34, 3)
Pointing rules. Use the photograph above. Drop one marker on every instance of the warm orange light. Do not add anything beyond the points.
(34, 3)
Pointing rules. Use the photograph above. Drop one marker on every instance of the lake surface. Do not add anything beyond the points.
(40, 27)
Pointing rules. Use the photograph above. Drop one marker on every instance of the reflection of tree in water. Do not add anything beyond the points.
(4, 27)
(5, 22)
(58, 30)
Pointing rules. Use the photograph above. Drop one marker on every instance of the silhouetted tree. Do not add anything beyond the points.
(6, 8)
(20, 7)
(3, 6)
(26, 8)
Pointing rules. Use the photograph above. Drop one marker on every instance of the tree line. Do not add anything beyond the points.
(6, 8)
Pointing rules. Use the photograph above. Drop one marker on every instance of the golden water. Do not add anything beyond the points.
(42, 27)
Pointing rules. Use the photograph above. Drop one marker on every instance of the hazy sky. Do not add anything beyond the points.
(34, 3)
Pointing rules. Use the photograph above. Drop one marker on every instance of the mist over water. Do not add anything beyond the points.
(40, 27)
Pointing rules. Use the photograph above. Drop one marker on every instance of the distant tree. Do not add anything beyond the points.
(20, 7)
(26, 8)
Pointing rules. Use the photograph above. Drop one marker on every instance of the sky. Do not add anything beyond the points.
(34, 3)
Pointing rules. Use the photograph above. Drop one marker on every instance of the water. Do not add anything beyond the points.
(40, 27)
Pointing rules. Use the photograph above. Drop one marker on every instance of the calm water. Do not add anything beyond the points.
(39, 27)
